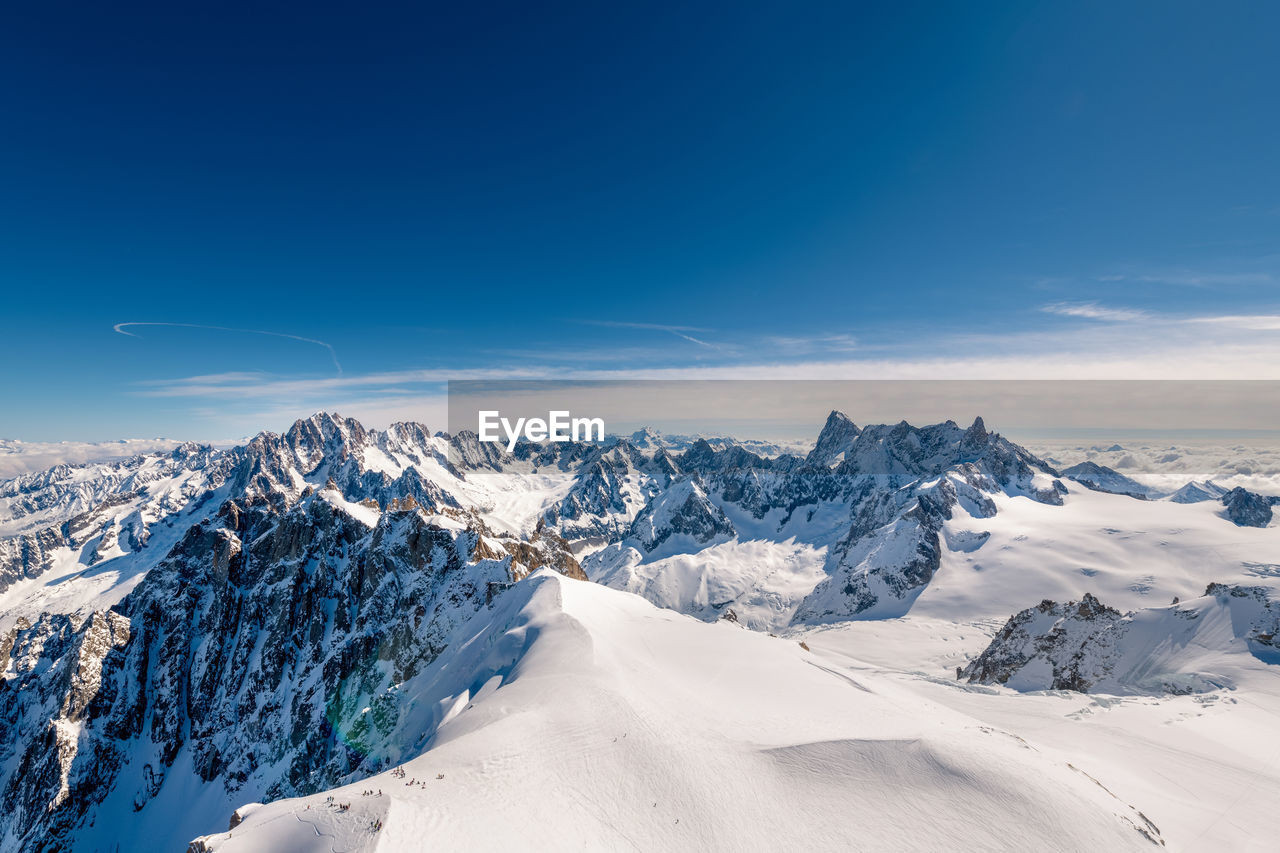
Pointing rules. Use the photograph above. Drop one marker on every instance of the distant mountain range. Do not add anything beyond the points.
(192, 629)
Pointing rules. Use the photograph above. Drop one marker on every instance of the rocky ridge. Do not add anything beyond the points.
(286, 589)
(264, 648)
(1086, 646)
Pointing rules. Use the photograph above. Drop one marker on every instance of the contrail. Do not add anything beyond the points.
(333, 354)
(691, 338)
(678, 331)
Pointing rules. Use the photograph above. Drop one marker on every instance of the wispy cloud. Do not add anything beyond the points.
(813, 343)
(1105, 342)
(1193, 278)
(1094, 311)
(1251, 322)
(244, 385)
(1169, 348)
(333, 354)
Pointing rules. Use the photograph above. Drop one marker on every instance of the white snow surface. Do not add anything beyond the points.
(1129, 553)
(596, 721)
(573, 715)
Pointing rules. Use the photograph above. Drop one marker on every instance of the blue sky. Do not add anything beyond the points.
(425, 191)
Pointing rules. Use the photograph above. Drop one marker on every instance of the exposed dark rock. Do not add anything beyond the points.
(1079, 646)
(313, 572)
(1073, 641)
(1247, 509)
(266, 643)
(836, 438)
(682, 509)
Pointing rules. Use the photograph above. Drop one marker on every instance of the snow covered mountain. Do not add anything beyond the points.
(568, 731)
(1182, 648)
(22, 457)
(650, 439)
(1106, 479)
(192, 630)
(258, 649)
(1194, 492)
(863, 532)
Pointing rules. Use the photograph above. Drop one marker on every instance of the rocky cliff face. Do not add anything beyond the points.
(682, 510)
(894, 545)
(1087, 646)
(267, 646)
(1246, 509)
(284, 589)
(611, 486)
(875, 501)
(836, 439)
(1061, 646)
(262, 651)
(897, 484)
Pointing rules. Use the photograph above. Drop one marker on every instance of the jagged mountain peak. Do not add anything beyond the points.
(703, 457)
(409, 431)
(684, 509)
(838, 420)
(1103, 479)
(323, 547)
(189, 449)
(308, 564)
(646, 438)
(905, 450)
(324, 430)
(976, 436)
(1198, 491)
(835, 439)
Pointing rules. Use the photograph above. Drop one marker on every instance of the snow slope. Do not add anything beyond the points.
(593, 720)
(1130, 553)
(993, 562)
(896, 559)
